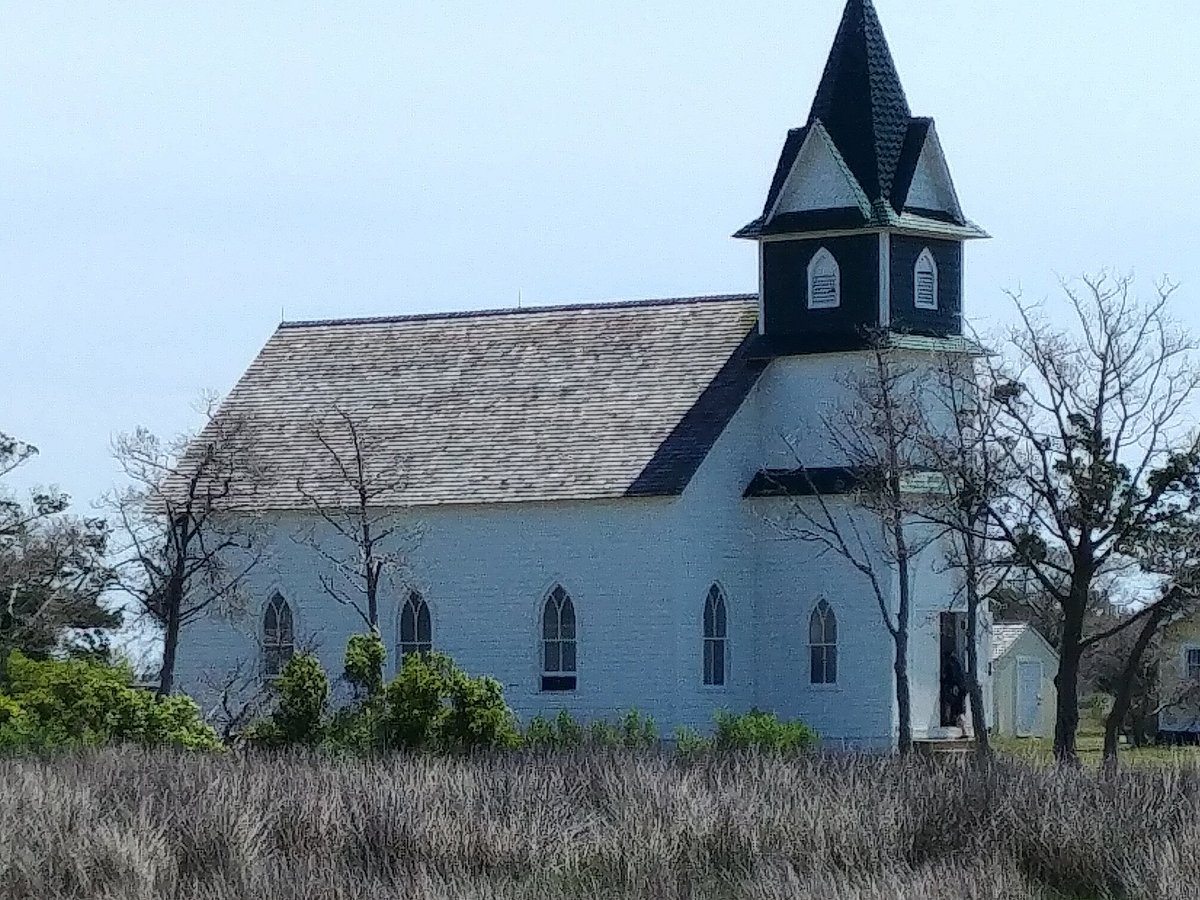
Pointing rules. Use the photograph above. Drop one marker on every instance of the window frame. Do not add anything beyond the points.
(821, 257)
(1188, 650)
(282, 644)
(418, 604)
(560, 680)
(716, 601)
(926, 257)
(823, 610)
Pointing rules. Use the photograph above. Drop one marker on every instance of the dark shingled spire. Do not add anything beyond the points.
(861, 102)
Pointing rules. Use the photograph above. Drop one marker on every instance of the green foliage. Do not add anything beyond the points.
(49, 704)
(635, 731)
(757, 730)
(689, 742)
(365, 655)
(415, 701)
(478, 718)
(432, 703)
(638, 731)
(298, 719)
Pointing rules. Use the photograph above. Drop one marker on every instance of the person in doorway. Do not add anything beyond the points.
(954, 692)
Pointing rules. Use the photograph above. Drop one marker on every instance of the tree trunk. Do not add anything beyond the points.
(903, 693)
(974, 688)
(1066, 681)
(166, 675)
(1125, 685)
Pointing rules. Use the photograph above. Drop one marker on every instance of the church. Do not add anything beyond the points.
(589, 494)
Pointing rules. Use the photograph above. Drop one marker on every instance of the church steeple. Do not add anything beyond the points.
(861, 102)
(862, 228)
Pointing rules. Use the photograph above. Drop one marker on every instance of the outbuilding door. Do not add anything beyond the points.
(1029, 696)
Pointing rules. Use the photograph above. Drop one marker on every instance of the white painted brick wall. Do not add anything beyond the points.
(638, 571)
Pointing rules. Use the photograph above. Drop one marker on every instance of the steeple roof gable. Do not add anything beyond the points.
(861, 101)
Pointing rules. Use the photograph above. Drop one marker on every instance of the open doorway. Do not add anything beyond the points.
(953, 669)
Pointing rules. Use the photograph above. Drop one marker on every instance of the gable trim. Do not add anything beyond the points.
(817, 133)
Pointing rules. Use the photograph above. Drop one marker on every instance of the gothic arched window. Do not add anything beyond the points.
(278, 636)
(716, 656)
(824, 281)
(925, 283)
(822, 645)
(416, 628)
(558, 642)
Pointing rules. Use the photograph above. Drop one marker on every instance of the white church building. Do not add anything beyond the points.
(596, 487)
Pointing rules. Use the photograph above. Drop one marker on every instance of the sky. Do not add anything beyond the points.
(175, 178)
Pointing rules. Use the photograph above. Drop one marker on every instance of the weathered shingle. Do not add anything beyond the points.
(553, 403)
(1004, 636)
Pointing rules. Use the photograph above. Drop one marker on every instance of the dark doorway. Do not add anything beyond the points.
(953, 668)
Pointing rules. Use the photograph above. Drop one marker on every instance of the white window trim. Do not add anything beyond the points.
(724, 639)
(837, 682)
(925, 257)
(1186, 649)
(543, 672)
(419, 598)
(278, 644)
(819, 258)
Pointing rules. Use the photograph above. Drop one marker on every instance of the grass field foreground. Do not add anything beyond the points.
(132, 824)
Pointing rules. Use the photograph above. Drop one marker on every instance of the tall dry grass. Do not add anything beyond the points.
(128, 824)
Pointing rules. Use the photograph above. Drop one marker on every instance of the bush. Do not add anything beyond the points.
(638, 732)
(757, 730)
(365, 656)
(478, 717)
(60, 703)
(302, 692)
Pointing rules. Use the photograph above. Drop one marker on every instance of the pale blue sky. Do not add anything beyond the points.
(172, 175)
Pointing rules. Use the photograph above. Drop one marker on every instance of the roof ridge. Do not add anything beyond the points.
(515, 310)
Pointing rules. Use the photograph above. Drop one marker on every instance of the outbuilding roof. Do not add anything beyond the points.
(537, 404)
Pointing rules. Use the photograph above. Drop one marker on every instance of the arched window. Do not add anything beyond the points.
(558, 642)
(822, 645)
(716, 659)
(824, 281)
(926, 281)
(278, 636)
(416, 629)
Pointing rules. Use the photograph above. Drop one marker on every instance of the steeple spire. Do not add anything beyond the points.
(861, 102)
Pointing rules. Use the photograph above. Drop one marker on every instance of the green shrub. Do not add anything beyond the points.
(757, 730)
(690, 742)
(570, 732)
(302, 696)
(605, 734)
(540, 734)
(638, 732)
(56, 703)
(365, 656)
(433, 704)
(478, 717)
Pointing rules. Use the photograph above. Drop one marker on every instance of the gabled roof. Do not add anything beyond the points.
(538, 404)
(1005, 635)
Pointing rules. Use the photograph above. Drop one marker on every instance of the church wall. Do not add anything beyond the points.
(485, 570)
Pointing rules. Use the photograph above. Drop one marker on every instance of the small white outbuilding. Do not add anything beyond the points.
(1023, 692)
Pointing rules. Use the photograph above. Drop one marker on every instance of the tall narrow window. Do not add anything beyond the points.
(558, 642)
(715, 656)
(278, 636)
(822, 645)
(1193, 664)
(824, 281)
(416, 629)
(926, 281)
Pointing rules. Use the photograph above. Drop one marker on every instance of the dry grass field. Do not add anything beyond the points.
(128, 824)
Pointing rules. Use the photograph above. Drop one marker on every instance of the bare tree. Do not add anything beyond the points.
(878, 433)
(238, 695)
(1094, 424)
(188, 532)
(358, 530)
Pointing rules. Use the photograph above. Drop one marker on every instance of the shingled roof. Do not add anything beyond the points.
(538, 404)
